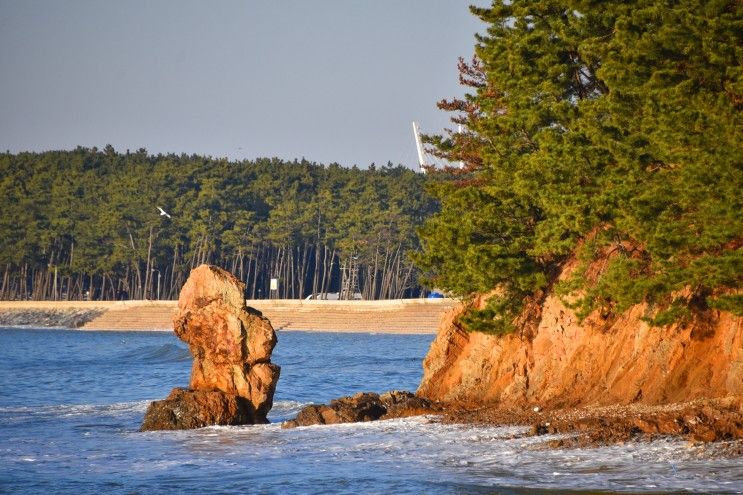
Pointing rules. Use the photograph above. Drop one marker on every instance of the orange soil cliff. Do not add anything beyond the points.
(558, 362)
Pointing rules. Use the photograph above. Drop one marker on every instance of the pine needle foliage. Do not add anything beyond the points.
(618, 121)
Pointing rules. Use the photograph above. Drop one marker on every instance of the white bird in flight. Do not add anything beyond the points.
(163, 212)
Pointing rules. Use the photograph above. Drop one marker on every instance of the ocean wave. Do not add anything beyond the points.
(285, 409)
(69, 410)
(165, 353)
(288, 405)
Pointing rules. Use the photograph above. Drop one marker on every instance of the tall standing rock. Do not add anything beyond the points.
(231, 346)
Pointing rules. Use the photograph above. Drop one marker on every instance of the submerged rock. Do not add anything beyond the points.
(232, 377)
(364, 406)
(698, 421)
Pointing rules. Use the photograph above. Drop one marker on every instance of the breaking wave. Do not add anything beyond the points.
(71, 410)
(164, 353)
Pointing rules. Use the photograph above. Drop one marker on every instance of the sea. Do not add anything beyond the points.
(71, 403)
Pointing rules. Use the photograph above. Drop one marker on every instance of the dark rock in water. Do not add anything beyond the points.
(186, 409)
(358, 408)
(354, 409)
(231, 346)
(316, 415)
(401, 404)
(362, 407)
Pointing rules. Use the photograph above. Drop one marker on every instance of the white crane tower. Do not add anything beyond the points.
(419, 146)
(422, 155)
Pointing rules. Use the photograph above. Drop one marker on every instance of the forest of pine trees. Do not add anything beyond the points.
(85, 224)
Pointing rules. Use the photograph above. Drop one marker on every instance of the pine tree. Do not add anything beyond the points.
(616, 123)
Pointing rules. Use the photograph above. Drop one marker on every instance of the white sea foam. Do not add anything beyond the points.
(67, 410)
(283, 408)
(502, 456)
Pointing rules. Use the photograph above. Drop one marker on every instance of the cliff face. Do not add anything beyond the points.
(559, 362)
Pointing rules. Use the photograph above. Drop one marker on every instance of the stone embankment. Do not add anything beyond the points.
(89, 315)
(395, 316)
(71, 317)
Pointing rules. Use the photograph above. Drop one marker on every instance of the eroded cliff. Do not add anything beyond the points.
(556, 361)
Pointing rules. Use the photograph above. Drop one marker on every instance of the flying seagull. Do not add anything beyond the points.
(163, 212)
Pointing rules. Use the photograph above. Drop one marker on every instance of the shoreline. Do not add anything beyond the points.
(166, 330)
(401, 316)
(700, 421)
(715, 422)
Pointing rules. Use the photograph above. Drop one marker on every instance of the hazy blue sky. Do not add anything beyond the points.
(328, 80)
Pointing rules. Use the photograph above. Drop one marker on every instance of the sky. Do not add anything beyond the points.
(325, 80)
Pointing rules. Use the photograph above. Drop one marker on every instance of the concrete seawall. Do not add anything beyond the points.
(392, 316)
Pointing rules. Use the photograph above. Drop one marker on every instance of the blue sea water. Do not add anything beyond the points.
(71, 403)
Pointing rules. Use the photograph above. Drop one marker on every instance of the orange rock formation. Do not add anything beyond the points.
(230, 344)
(555, 361)
(232, 377)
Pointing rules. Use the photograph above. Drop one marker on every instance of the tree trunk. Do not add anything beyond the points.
(147, 273)
(6, 279)
(303, 270)
(173, 271)
(138, 293)
(55, 296)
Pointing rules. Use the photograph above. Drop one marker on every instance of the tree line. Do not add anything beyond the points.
(85, 224)
(604, 132)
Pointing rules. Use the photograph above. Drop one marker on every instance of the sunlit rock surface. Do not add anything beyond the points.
(231, 346)
(554, 360)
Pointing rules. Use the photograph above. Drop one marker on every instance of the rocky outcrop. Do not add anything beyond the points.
(232, 377)
(706, 420)
(186, 409)
(52, 318)
(364, 406)
(558, 361)
(702, 420)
